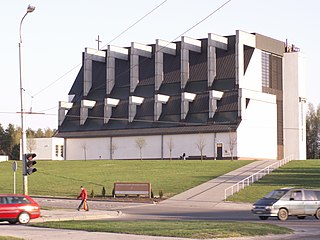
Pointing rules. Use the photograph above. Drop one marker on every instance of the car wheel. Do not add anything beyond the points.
(301, 217)
(12, 221)
(263, 217)
(24, 218)
(283, 214)
(317, 215)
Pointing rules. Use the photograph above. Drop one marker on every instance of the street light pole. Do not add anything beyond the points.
(23, 145)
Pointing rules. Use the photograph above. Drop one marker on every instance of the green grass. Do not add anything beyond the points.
(63, 178)
(300, 174)
(9, 238)
(185, 229)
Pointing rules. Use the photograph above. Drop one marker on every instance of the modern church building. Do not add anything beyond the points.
(220, 97)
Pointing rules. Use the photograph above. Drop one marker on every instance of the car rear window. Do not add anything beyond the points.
(310, 195)
(16, 200)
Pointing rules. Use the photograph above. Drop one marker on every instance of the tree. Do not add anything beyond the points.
(313, 132)
(48, 133)
(201, 144)
(31, 144)
(171, 145)
(232, 142)
(113, 149)
(140, 143)
(39, 133)
(84, 147)
(8, 140)
(30, 133)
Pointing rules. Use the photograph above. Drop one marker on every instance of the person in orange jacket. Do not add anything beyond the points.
(84, 196)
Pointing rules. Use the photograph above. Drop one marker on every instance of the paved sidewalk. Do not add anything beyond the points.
(211, 193)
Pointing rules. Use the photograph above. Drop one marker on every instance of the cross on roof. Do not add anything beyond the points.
(98, 40)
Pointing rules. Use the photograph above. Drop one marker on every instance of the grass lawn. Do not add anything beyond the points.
(300, 174)
(185, 229)
(9, 238)
(64, 178)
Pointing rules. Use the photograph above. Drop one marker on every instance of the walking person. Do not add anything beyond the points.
(84, 196)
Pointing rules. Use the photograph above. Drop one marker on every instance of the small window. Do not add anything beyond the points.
(296, 196)
(61, 150)
(310, 195)
(265, 61)
(57, 150)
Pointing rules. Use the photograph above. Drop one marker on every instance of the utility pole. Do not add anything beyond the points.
(23, 145)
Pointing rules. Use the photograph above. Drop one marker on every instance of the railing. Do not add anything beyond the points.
(255, 177)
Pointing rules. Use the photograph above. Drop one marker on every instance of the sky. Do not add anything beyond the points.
(57, 32)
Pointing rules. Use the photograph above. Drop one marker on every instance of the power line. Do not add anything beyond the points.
(189, 29)
(127, 29)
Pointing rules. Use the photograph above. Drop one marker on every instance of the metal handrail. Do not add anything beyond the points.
(255, 177)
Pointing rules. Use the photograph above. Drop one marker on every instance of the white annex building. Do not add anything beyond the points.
(241, 96)
(46, 148)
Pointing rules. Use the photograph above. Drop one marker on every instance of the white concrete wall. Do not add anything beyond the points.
(3, 158)
(294, 101)
(127, 147)
(87, 148)
(156, 147)
(252, 79)
(45, 148)
(257, 132)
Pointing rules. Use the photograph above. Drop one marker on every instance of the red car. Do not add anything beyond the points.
(18, 208)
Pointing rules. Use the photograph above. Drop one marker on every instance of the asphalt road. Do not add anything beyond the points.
(305, 229)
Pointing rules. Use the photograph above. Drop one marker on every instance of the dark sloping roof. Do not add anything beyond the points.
(197, 119)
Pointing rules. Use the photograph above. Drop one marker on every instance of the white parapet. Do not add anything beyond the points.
(187, 44)
(63, 106)
(134, 101)
(137, 49)
(159, 99)
(85, 105)
(89, 56)
(242, 39)
(186, 98)
(162, 47)
(113, 53)
(109, 103)
(214, 41)
(214, 96)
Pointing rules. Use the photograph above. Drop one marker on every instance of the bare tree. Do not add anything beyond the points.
(171, 145)
(201, 144)
(84, 147)
(31, 144)
(140, 143)
(232, 142)
(113, 149)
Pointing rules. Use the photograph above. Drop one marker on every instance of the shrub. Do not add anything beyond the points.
(103, 192)
(92, 194)
(160, 193)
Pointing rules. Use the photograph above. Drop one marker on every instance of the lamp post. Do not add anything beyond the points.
(23, 145)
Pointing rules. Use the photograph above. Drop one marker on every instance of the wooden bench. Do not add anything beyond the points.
(132, 188)
(198, 157)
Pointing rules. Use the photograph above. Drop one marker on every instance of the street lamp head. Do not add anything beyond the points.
(30, 9)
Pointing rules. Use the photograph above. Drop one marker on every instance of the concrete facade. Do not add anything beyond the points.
(224, 96)
(47, 148)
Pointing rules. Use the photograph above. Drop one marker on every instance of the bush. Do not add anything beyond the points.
(103, 192)
(92, 194)
(160, 193)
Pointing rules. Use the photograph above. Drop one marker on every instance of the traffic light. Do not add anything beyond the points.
(30, 163)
